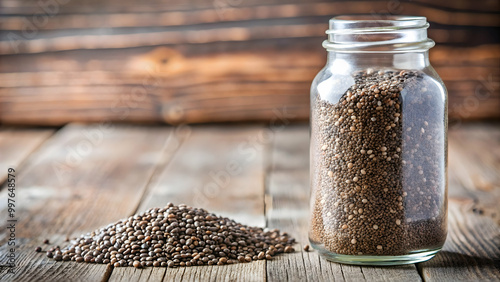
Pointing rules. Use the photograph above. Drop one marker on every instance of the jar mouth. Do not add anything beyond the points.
(377, 33)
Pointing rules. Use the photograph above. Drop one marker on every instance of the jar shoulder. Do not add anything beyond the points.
(331, 83)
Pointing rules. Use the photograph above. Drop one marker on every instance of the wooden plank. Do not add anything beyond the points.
(472, 249)
(287, 208)
(84, 177)
(316, 12)
(17, 144)
(14, 43)
(207, 12)
(220, 169)
(93, 6)
(238, 86)
(108, 66)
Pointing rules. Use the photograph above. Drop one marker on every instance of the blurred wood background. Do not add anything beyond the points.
(213, 60)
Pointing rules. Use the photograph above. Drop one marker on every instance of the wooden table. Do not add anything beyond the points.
(80, 177)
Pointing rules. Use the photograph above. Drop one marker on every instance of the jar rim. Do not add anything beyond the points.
(371, 17)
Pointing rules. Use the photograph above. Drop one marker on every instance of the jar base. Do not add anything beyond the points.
(411, 258)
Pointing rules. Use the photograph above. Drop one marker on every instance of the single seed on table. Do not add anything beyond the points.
(306, 248)
(38, 249)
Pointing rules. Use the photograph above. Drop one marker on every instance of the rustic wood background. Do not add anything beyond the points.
(213, 60)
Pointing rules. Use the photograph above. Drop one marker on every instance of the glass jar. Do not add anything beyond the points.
(378, 144)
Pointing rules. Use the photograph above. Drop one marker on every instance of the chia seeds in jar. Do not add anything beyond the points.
(378, 144)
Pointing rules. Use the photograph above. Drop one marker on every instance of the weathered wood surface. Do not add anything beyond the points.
(83, 178)
(212, 61)
(17, 144)
(221, 170)
(472, 250)
(133, 168)
(287, 208)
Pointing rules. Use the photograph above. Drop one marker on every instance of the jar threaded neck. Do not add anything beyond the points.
(370, 33)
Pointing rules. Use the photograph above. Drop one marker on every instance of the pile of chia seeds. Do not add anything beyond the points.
(175, 236)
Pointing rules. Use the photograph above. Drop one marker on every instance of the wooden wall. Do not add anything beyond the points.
(213, 60)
